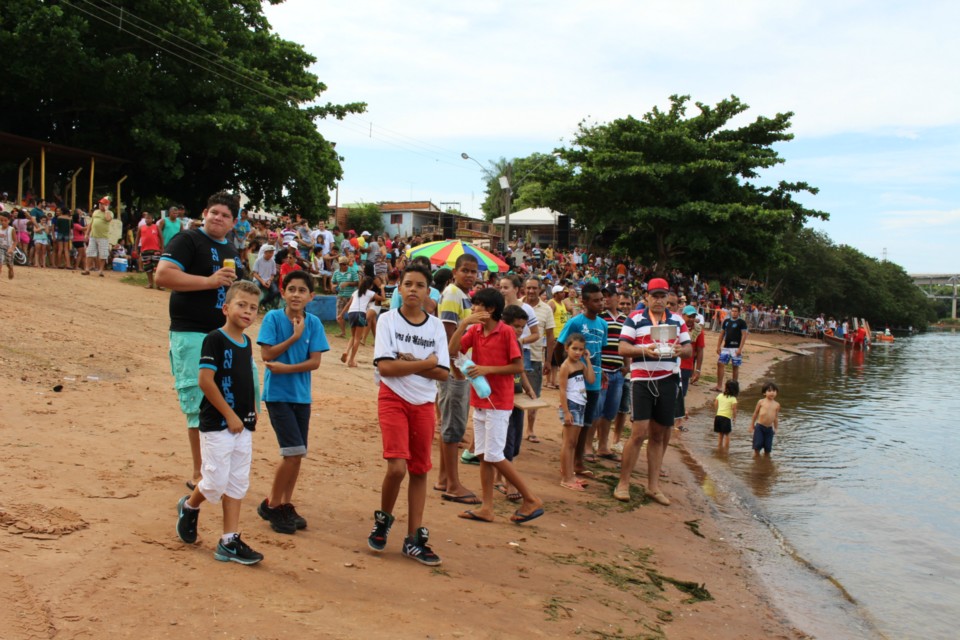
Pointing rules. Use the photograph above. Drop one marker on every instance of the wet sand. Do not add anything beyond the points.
(92, 474)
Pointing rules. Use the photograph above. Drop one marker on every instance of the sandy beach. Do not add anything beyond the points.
(92, 474)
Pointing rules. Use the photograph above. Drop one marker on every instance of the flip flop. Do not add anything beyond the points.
(470, 515)
(533, 438)
(470, 498)
(658, 497)
(436, 488)
(622, 496)
(589, 457)
(190, 485)
(573, 486)
(586, 473)
(516, 496)
(520, 518)
(501, 488)
(610, 456)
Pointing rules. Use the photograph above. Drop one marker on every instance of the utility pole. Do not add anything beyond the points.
(505, 187)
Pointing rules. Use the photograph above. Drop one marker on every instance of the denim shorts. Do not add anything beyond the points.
(729, 356)
(610, 397)
(291, 423)
(577, 411)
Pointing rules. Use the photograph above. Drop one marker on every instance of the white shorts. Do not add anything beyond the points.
(226, 464)
(98, 248)
(490, 433)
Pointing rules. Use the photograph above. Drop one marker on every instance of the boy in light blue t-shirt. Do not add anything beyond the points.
(291, 343)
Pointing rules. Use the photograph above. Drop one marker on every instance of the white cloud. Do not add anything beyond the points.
(922, 219)
(536, 68)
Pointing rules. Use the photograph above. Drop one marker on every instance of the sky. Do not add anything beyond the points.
(873, 86)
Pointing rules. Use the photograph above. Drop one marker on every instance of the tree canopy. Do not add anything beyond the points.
(818, 276)
(200, 95)
(679, 189)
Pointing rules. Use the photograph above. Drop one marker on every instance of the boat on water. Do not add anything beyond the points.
(849, 341)
(881, 336)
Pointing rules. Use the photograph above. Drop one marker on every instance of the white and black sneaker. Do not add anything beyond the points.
(382, 521)
(417, 549)
(187, 521)
(236, 551)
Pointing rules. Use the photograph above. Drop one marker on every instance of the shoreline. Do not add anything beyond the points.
(825, 606)
(94, 471)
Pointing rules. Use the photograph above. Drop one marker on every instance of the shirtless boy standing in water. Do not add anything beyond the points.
(766, 420)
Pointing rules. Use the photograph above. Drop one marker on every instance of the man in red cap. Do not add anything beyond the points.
(656, 376)
(98, 250)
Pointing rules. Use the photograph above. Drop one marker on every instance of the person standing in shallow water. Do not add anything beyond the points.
(192, 267)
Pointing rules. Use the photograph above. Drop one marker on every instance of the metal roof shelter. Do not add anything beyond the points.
(26, 151)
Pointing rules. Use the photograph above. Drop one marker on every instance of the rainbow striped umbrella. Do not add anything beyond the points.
(446, 252)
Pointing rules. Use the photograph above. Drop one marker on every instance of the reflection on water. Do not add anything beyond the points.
(864, 475)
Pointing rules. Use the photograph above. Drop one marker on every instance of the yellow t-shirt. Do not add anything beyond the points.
(725, 405)
(559, 317)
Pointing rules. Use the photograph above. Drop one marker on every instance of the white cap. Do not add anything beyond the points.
(292, 244)
(365, 233)
(268, 247)
(557, 289)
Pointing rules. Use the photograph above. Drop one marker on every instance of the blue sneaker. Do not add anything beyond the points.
(382, 521)
(236, 551)
(416, 548)
(187, 521)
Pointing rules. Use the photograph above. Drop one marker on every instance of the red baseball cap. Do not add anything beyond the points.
(657, 284)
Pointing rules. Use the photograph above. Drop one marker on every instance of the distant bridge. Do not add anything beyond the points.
(926, 281)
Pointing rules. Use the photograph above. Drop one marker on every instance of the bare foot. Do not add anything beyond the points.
(573, 486)
(343, 358)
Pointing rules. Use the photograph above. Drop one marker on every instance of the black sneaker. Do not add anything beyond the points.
(298, 520)
(236, 551)
(278, 517)
(377, 539)
(416, 548)
(187, 521)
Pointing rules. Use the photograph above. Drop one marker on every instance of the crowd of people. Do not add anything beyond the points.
(619, 344)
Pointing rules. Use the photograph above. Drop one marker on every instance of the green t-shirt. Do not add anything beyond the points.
(99, 227)
(346, 276)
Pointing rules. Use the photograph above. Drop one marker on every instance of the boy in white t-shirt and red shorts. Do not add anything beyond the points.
(410, 354)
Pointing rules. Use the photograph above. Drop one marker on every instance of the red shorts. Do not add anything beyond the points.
(407, 430)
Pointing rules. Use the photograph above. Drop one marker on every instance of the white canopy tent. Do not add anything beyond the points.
(542, 216)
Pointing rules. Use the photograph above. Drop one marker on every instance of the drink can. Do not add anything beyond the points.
(230, 263)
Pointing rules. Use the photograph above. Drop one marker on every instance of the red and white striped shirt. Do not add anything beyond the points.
(636, 332)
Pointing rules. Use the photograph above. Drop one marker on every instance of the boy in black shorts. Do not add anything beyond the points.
(291, 344)
(228, 416)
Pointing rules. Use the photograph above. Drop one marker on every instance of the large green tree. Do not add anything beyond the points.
(681, 189)
(817, 276)
(199, 95)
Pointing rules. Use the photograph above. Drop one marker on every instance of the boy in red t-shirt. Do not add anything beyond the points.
(497, 356)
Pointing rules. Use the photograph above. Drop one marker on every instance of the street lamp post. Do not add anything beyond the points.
(507, 189)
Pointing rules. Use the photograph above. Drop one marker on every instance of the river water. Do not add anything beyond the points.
(861, 493)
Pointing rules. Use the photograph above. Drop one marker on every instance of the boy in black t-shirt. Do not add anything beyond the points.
(228, 415)
(730, 343)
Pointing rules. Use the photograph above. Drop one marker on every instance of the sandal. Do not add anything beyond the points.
(573, 486)
(533, 438)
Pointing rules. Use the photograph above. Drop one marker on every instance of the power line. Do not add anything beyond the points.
(400, 141)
